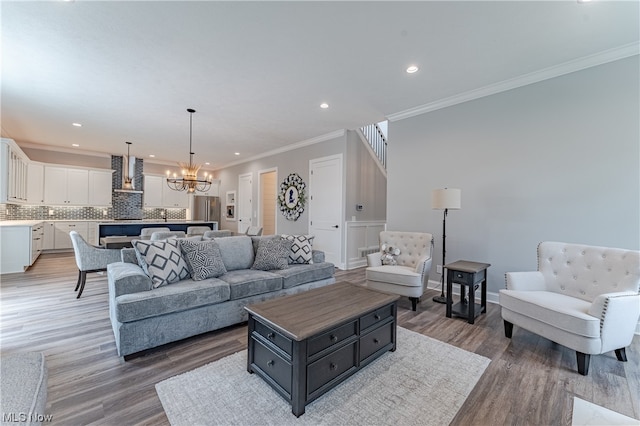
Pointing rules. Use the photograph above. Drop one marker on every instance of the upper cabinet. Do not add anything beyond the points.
(158, 194)
(35, 183)
(214, 191)
(100, 182)
(13, 177)
(66, 186)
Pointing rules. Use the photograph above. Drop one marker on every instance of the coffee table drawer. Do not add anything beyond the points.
(372, 342)
(273, 366)
(329, 367)
(274, 337)
(376, 316)
(331, 337)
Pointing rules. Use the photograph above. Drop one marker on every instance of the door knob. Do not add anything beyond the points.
(335, 226)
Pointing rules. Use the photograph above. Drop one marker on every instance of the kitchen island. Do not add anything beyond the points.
(132, 228)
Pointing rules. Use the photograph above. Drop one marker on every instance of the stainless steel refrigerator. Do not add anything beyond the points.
(206, 208)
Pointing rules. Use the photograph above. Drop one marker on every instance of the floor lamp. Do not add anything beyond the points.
(444, 199)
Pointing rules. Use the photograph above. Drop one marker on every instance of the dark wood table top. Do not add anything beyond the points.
(117, 242)
(303, 315)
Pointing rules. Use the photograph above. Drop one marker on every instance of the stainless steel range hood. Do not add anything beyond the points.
(128, 174)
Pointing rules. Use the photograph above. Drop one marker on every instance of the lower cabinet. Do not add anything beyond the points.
(20, 247)
(61, 237)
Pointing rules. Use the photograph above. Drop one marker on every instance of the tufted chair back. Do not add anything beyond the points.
(585, 272)
(413, 245)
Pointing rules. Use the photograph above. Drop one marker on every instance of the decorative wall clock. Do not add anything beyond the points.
(292, 196)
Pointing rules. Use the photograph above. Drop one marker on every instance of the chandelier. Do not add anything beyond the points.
(189, 181)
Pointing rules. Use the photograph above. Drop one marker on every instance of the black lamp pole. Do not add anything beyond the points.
(442, 298)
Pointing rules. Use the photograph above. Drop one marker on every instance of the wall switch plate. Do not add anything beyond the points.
(439, 269)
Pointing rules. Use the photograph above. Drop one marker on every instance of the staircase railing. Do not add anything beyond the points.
(378, 142)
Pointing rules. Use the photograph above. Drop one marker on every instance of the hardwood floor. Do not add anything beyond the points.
(530, 381)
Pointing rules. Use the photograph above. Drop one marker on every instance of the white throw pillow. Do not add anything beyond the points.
(301, 248)
(162, 261)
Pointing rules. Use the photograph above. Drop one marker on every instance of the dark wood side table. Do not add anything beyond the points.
(468, 275)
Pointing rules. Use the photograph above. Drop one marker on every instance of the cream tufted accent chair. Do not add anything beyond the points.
(583, 297)
(410, 276)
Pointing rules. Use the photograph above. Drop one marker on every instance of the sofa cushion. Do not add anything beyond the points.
(301, 248)
(272, 254)
(297, 275)
(237, 252)
(249, 282)
(162, 261)
(561, 311)
(203, 259)
(394, 274)
(181, 296)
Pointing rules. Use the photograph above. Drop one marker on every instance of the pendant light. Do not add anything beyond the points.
(189, 181)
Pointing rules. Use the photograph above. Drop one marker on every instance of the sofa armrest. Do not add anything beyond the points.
(618, 313)
(374, 259)
(525, 281)
(127, 278)
(424, 265)
(317, 256)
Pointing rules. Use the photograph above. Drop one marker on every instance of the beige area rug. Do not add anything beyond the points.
(424, 382)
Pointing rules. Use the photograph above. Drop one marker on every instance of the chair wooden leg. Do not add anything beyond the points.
(79, 279)
(83, 279)
(508, 329)
(621, 355)
(414, 303)
(583, 363)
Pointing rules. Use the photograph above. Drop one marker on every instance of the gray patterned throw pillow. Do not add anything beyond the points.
(301, 248)
(162, 261)
(203, 259)
(273, 253)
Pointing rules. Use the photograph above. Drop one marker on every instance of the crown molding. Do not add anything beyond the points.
(64, 149)
(579, 64)
(301, 144)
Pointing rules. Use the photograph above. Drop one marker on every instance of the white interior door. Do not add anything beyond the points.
(326, 210)
(243, 203)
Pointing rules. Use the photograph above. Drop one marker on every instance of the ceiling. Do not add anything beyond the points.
(257, 72)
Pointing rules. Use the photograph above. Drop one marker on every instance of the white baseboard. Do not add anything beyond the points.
(493, 298)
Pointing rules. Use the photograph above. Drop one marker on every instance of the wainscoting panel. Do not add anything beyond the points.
(362, 239)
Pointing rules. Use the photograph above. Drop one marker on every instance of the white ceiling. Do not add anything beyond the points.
(256, 72)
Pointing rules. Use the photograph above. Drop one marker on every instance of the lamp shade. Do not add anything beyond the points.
(447, 198)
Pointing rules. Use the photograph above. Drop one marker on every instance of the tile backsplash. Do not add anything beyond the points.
(29, 212)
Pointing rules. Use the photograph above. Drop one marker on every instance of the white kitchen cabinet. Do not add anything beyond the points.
(35, 183)
(20, 246)
(214, 191)
(13, 173)
(61, 238)
(158, 194)
(48, 242)
(153, 190)
(66, 186)
(92, 233)
(100, 183)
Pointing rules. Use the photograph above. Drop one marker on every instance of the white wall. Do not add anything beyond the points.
(557, 160)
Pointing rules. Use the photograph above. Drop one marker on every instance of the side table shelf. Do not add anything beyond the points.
(469, 275)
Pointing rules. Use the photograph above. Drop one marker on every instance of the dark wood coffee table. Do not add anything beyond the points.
(305, 344)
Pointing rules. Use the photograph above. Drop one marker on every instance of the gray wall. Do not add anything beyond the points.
(294, 161)
(557, 160)
(366, 184)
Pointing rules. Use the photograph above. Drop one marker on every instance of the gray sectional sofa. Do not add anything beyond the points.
(144, 317)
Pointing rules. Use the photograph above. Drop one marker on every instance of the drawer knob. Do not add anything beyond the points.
(270, 363)
(333, 366)
(271, 335)
(459, 275)
(333, 338)
(376, 341)
(376, 317)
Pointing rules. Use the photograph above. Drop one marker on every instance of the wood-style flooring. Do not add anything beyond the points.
(530, 381)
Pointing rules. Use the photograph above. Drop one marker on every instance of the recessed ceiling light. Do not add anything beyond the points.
(236, 153)
(152, 156)
(207, 163)
(76, 124)
(412, 69)
(324, 105)
(75, 144)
